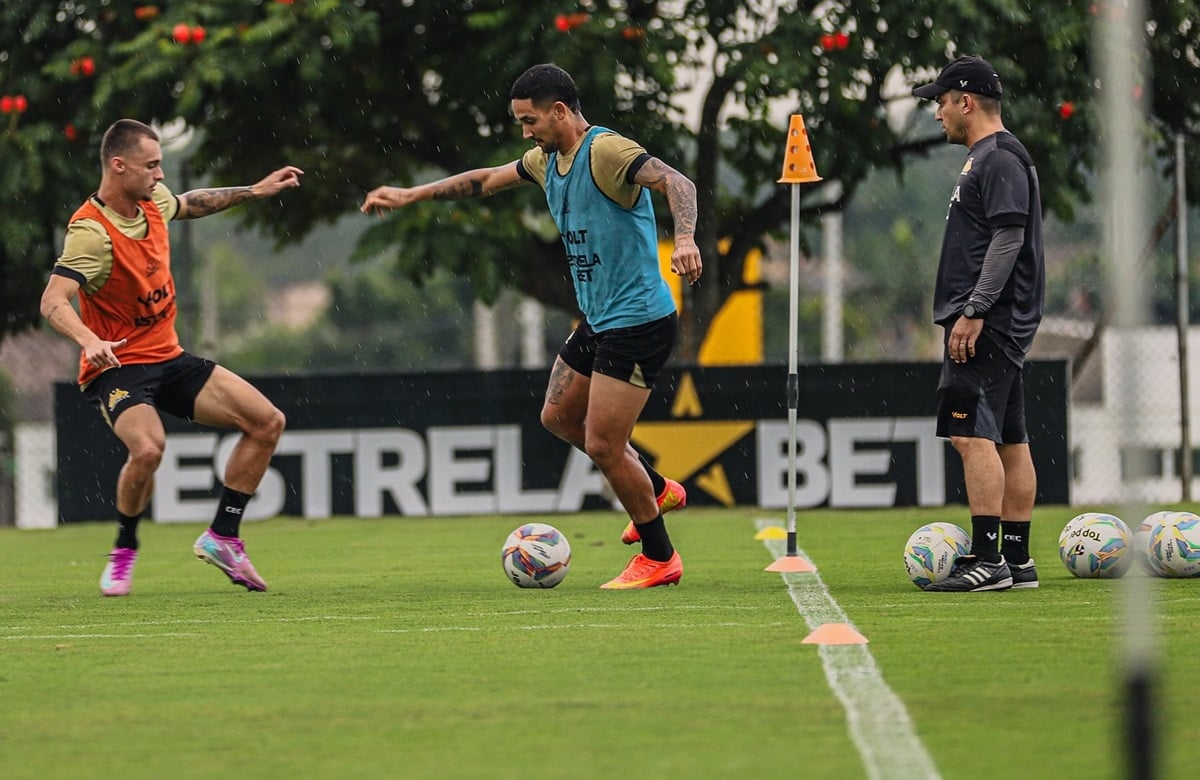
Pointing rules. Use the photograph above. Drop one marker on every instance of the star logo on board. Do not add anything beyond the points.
(687, 449)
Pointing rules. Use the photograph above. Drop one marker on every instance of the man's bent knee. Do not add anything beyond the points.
(146, 456)
(569, 431)
(551, 421)
(964, 444)
(604, 453)
(269, 429)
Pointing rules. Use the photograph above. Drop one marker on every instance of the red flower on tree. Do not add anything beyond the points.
(568, 22)
(835, 41)
(83, 66)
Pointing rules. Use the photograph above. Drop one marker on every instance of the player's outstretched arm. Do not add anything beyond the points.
(200, 203)
(681, 198)
(478, 183)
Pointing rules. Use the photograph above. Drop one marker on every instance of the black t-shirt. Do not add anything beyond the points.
(997, 187)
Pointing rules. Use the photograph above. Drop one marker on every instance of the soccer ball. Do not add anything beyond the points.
(1142, 537)
(1175, 546)
(1094, 545)
(536, 555)
(930, 553)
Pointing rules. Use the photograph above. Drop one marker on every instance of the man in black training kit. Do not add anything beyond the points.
(989, 297)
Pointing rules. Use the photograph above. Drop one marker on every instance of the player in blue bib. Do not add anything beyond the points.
(596, 184)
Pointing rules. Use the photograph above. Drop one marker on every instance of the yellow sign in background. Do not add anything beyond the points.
(736, 335)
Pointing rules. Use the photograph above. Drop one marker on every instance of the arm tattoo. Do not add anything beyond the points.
(460, 190)
(469, 185)
(680, 192)
(201, 203)
(50, 314)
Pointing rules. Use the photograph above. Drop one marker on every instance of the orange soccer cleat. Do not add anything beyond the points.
(672, 497)
(641, 572)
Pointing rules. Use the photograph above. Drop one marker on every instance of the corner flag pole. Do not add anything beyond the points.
(798, 168)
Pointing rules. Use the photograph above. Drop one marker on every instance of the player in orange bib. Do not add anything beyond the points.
(117, 261)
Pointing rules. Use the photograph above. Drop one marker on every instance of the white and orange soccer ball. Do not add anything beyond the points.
(536, 555)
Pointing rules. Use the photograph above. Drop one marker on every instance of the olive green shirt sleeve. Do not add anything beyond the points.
(87, 249)
(611, 158)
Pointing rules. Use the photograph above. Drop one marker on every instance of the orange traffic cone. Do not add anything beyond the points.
(798, 164)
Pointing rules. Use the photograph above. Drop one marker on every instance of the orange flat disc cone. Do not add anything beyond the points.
(835, 634)
(791, 563)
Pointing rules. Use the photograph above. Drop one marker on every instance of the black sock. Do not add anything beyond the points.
(656, 545)
(656, 479)
(229, 512)
(985, 537)
(1014, 541)
(127, 531)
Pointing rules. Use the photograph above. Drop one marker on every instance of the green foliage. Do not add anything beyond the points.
(239, 292)
(371, 92)
(373, 321)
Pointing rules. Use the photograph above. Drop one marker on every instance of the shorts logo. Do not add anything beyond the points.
(959, 415)
(116, 397)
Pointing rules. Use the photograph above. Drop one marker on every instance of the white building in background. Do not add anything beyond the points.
(1136, 370)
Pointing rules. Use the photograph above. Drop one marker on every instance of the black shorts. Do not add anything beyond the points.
(634, 355)
(983, 398)
(171, 386)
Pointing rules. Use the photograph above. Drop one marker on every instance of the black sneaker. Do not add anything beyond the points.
(1024, 575)
(971, 574)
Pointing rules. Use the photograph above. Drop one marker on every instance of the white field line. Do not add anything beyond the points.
(879, 723)
(43, 637)
(92, 629)
(552, 627)
(223, 620)
(623, 610)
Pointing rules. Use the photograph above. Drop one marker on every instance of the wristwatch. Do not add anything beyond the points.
(971, 312)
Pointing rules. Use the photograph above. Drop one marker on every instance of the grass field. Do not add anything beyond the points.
(391, 648)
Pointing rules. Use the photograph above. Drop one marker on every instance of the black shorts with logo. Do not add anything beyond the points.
(170, 386)
(635, 355)
(982, 398)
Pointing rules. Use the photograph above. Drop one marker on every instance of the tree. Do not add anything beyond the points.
(374, 91)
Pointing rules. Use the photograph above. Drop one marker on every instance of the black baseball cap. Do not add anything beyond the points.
(966, 74)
